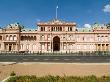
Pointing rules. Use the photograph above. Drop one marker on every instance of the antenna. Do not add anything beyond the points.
(57, 10)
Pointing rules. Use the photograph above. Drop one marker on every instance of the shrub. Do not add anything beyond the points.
(65, 78)
(12, 73)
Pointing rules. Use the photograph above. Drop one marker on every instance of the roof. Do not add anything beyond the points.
(15, 26)
(98, 26)
(56, 22)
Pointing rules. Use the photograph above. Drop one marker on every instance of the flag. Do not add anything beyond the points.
(57, 6)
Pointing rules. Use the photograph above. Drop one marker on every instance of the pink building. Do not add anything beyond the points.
(55, 36)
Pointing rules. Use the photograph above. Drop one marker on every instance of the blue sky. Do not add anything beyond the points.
(29, 12)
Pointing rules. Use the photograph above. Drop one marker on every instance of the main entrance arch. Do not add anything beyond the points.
(56, 43)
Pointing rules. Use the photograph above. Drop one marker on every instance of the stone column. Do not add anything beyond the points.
(3, 46)
(20, 46)
(60, 46)
(96, 48)
(12, 47)
(108, 47)
(8, 47)
(105, 47)
(100, 47)
(51, 44)
(66, 46)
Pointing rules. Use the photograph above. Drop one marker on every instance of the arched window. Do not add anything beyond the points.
(52, 29)
(22, 38)
(14, 37)
(70, 28)
(11, 37)
(60, 28)
(41, 28)
(106, 38)
(7, 37)
(44, 28)
(34, 38)
(0, 37)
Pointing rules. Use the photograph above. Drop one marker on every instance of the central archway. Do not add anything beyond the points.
(56, 43)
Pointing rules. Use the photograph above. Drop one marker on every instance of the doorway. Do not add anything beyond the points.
(10, 48)
(56, 43)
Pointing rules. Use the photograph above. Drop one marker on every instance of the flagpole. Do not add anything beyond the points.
(57, 10)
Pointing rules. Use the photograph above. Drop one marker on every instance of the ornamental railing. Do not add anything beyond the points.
(80, 53)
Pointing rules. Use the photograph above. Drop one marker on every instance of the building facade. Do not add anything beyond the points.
(55, 36)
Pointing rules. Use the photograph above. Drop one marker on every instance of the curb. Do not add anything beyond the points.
(5, 79)
(29, 63)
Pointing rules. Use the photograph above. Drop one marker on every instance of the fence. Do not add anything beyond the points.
(94, 53)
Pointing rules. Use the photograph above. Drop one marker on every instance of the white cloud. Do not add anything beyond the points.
(106, 8)
(87, 25)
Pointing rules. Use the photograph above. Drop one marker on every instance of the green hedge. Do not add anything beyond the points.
(64, 78)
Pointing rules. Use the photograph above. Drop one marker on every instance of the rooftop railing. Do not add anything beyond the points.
(80, 53)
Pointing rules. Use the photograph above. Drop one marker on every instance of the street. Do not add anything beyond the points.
(54, 58)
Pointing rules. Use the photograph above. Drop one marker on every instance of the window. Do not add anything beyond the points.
(69, 37)
(42, 37)
(15, 38)
(7, 38)
(106, 38)
(48, 36)
(43, 46)
(64, 46)
(52, 29)
(11, 37)
(21, 46)
(0, 37)
(83, 38)
(70, 28)
(49, 47)
(34, 47)
(22, 38)
(64, 37)
(27, 46)
(98, 37)
(34, 38)
(42, 28)
(60, 28)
